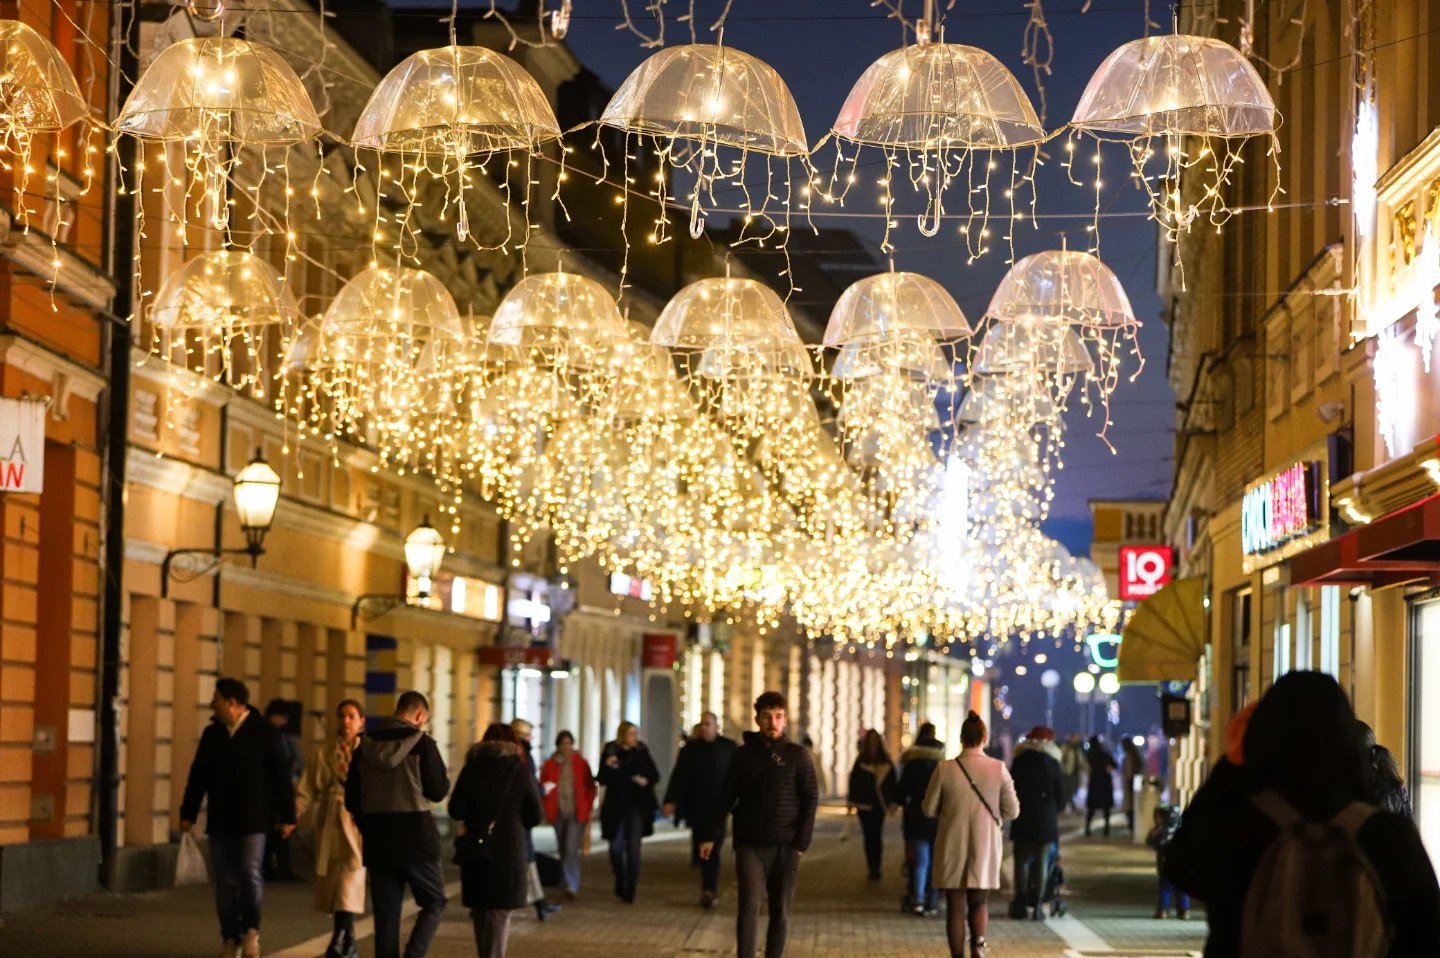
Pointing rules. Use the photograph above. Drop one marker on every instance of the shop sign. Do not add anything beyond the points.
(630, 587)
(1144, 571)
(514, 656)
(22, 445)
(657, 650)
(1281, 508)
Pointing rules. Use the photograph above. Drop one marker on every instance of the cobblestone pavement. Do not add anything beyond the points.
(837, 914)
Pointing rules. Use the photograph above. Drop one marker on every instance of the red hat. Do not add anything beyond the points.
(1041, 733)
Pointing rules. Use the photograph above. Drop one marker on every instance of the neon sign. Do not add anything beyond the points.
(1281, 508)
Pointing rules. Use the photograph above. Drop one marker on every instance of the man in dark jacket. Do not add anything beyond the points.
(1036, 833)
(917, 764)
(242, 774)
(695, 788)
(772, 788)
(395, 776)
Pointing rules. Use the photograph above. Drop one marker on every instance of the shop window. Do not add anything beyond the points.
(1330, 630)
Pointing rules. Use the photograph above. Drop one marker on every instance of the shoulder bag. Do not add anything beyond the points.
(978, 793)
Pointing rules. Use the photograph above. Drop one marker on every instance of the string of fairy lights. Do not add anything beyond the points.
(691, 455)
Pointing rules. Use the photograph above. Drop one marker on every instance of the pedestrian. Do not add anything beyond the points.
(1162, 834)
(1132, 769)
(972, 796)
(396, 775)
(872, 784)
(1386, 788)
(568, 790)
(1072, 768)
(339, 858)
(1358, 880)
(1036, 832)
(627, 812)
(694, 791)
(524, 733)
(497, 803)
(772, 789)
(917, 765)
(242, 774)
(282, 715)
(1100, 796)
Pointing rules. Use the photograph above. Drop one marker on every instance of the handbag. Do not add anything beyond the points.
(978, 793)
(475, 848)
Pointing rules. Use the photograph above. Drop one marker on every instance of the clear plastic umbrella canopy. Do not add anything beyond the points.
(223, 292)
(456, 101)
(38, 92)
(560, 318)
(1176, 84)
(726, 313)
(939, 95)
(711, 94)
(1062, 287)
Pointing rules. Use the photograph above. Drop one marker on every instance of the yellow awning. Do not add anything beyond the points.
(1165, 637)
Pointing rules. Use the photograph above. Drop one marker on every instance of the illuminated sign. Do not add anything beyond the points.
(1144, 571)
(1281, 508)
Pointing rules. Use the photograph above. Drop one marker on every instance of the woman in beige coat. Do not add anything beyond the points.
(971, 796)
(339, 869)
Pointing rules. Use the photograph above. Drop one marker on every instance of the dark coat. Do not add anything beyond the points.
(396, 774)
(772, 787)
(1100, 795)
(622, 796)
(243, 778)
(496, 785)
(1038, 785)
(699, 773)
(917, 764)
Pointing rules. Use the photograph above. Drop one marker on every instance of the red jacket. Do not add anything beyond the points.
(584, 787)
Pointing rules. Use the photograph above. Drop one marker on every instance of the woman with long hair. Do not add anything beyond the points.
(497, 801)
(339, 868)
(872, 782)
(627, 813)
(972, 797)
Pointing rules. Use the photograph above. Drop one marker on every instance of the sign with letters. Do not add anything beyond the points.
(22, 445)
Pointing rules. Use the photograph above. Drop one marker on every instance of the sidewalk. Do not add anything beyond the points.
(837, 914)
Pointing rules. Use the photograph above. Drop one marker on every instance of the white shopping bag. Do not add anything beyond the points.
(190, 867)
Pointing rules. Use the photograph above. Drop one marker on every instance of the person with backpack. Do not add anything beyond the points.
(1286, 855)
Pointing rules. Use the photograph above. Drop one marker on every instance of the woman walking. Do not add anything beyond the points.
(972, 796)
(496, 799)
(568, 788)
(872, 781)
(339, 869)
(1100, 796)
(627, 813)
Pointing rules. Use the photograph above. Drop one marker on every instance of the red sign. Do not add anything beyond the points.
(1144, 570)
(657, 650)
(507, 656)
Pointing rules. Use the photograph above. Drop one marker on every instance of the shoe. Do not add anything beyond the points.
(250, 944)
(1161, 913)
(707, 900)
(230, 948)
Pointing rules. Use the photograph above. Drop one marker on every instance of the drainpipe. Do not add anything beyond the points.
(121, 246)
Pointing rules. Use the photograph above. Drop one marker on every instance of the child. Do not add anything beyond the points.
(1166, 823)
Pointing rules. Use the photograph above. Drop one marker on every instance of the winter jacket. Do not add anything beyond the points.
(871, 786)
(971, 841)
(243, 778)
(622, 795)
(772, 788)
(1101, 794)
(917, 764)
(699, 773)
(584, 781)
(1222, 836)
(496, 785)
(1036, 771)
(396, 775)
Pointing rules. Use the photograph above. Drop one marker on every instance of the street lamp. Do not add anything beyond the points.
(256, 494)
(424, 552)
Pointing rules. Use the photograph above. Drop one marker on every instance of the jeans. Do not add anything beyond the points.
(872, 824)
(387, 895)
(237, 860)
(492, 930)
(568, 836)
(1169, 891)
(709, 867)
(1033, 862)
(921, 891)
(764, 872)
(625, 853)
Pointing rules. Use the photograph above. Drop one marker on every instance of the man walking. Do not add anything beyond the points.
(1036, 833)
(395, 776)
(917, 764)
(695, 785)
(772, 788)
(242, 774)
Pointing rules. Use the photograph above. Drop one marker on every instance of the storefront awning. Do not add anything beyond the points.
(1401, 547)
(1165, 637)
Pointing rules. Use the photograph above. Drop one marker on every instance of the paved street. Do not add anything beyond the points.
(838, 913)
